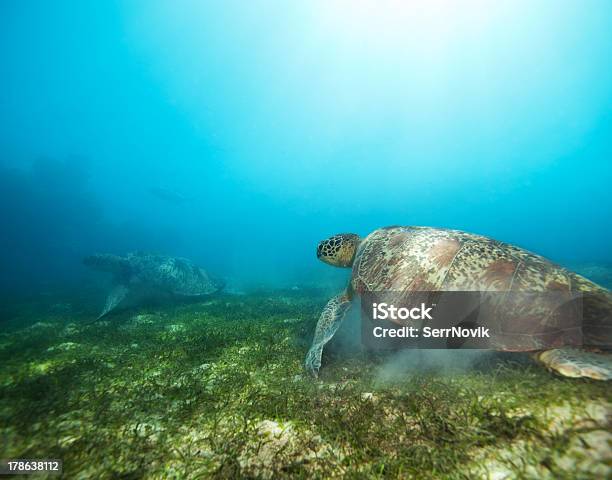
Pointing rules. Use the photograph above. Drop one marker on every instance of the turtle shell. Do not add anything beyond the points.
(176, 275)
(422, 259)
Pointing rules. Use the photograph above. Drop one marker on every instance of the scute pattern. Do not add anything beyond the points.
(177, 275)
(412, 259)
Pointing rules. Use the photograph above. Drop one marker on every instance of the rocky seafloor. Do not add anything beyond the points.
(216, 389)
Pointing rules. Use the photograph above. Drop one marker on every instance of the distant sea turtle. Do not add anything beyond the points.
(142, 275)
(411, 259)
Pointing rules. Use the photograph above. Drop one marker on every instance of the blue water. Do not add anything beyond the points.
(239, 134)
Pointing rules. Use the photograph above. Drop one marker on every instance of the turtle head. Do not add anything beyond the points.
(339, 250)
(105, 262)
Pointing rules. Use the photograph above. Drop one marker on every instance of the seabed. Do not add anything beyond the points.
(216, 389)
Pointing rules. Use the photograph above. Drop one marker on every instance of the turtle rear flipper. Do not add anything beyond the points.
(576, 363)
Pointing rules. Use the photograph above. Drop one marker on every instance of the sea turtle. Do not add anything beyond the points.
(416, 259)
(142, 275)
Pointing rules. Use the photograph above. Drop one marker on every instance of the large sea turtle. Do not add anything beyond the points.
(414, 259)
(142, 275)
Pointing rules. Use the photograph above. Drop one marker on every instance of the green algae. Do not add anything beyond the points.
(216, 389)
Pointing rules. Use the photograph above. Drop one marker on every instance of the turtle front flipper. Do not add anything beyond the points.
(576, 363)
(329, 322)
(115, 297)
